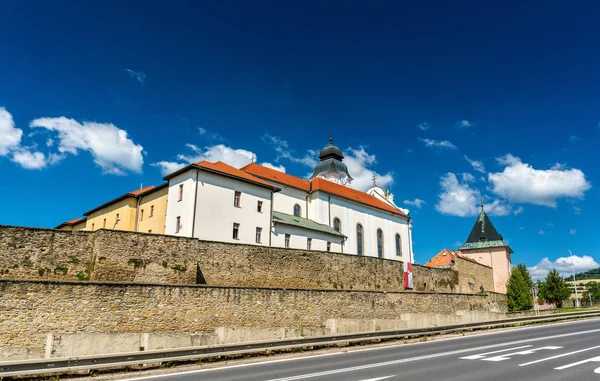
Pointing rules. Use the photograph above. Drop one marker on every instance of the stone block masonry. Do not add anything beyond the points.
(78, 318)
(107, 255)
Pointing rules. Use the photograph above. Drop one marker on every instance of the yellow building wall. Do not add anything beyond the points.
(79, 226)
(156, 222)
(124, 208)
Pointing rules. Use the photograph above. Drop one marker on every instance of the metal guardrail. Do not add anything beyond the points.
(58, 365)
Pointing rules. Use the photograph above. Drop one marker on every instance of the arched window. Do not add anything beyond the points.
(359, 239)
(337, 225)
(380, 243)
(297, 210)
(398, 245)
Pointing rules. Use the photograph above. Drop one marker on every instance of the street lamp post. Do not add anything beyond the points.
(574, 280)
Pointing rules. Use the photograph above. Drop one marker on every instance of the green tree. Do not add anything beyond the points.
(594, 289)
(518, 293)
(523, 269)
(555, 288)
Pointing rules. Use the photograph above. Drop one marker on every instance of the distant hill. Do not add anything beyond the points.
(590, 274)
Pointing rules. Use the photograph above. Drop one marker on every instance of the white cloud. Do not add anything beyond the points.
(235, 157)
(137, 75)
(577, 210)
(518, 210)
(201, 131)
(572, 231)
(573, 138)
(11, 136)
(49, 142)
(564, 265)
(541, 232)
(477, 165)
(283, 150)
(29, 160)
(468, 178)
(279, 168)
(424, 126)
(438, 144)
(464, 124)
(110, 146)
(167, 167)
(459, 199)
(521, 183)
(417, 202)
(358, 162)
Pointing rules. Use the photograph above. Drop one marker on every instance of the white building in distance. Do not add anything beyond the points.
(262, 206)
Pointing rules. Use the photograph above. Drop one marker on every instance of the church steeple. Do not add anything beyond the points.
(331, 167)
(483, 234)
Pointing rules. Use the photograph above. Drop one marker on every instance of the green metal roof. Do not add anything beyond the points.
(288, 219)
(483, 245)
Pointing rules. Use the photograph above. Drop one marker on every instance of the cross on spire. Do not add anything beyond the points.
(481, 203)
(253, 158)
(374, 178)
(331, 138)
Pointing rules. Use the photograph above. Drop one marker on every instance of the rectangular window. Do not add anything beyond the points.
(258, 234)
(177, 224)
(104, 224)
(328, 246)
(259, 207)
(180, 192)
(151, 210)
(287, 240)
(236, 199)
(141, 214)
(308, 243)
(236, 230)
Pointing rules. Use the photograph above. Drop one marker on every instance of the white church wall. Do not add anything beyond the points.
(216, 212)
(285, 200)
(298, 238)
(351, 214)
(180, 208)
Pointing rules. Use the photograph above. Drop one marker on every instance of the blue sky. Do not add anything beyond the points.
(446, 101)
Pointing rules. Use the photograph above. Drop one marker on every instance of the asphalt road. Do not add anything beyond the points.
(565, 351)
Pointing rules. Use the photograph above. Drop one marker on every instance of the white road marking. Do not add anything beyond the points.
(597, 371)
(405, 360)
(525, 352)
(557, 356)
(593, 359)
(378, 378)
(482, 355)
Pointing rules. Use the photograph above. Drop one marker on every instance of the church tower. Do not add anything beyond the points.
(331, 167)
(486, 246)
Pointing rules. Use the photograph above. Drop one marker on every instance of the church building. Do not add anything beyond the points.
(486, 246)
(262, 206)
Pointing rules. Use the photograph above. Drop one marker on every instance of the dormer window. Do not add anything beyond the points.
(482, 239)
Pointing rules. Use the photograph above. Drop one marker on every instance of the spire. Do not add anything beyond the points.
(483, 230)
(331, 138)
(374, 178)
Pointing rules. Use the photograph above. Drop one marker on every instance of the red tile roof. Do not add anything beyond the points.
(226, 169)
(320, 185)
(443, 258)
(71, 222)
(353, 195)
(137, 191)
(276, 176)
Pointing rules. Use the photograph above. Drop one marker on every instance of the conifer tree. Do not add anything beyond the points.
(523, 269)
(518, 292)
(556, 289)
